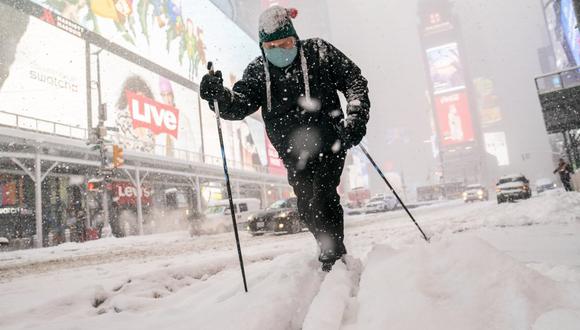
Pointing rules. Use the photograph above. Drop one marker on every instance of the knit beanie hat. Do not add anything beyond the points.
(276, 23)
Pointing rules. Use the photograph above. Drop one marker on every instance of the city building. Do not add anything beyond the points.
(77, 80)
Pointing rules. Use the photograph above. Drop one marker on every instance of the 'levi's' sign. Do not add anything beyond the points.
(148, 113)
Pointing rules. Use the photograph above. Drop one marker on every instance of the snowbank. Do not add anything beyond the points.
(200, 295)
(556, 208)
(457, 283)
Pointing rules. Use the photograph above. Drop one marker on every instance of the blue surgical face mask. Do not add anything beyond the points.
(281, 57)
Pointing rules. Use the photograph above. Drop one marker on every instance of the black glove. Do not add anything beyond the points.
(351, 131)
(356, 122)
(356, 129)
(212, 87)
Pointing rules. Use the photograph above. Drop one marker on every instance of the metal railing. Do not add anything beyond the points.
(182, 154)
(28, 123)
(42, 126)
(558, 80)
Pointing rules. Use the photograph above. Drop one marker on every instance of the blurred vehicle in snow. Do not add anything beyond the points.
(280, 217)
(475, 192)
(545, 184)
(217, 218)
(350, 209)
(513, 187)
(381, 203)
(359, 196)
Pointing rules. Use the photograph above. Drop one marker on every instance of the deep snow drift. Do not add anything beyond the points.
(488, 266)
(457, 283)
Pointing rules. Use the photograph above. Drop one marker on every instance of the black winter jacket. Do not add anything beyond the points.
(296, 130)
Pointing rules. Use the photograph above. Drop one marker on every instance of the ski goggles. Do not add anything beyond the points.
(286, 43)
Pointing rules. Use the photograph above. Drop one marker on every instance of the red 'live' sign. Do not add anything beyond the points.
(148, 113)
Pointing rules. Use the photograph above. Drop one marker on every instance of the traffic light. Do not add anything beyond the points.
(118, 160)
(95, 185)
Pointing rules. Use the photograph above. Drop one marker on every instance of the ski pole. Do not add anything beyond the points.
(364, 150)
(228, 185)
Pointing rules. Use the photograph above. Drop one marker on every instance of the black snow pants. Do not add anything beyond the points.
(318, 201)
(566, 182)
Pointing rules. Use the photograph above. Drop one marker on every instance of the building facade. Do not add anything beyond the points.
(73, 74)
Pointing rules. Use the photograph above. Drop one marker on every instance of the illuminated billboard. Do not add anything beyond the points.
(178, 35)
(275, 164)
(124, 193)
(245, 143)
(551, 8)
(358, 175)
(570, 30)
(454, 118)
(253, 143)
(42, 71)
(149, 112)
(495, 144)
(445, 68)
(487, 102)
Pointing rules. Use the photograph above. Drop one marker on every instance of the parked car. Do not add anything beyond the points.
(350, 209)
(475, 192)
(381, 203)
(513, 187)
(218, 217)
(545, 184)
(280, 217)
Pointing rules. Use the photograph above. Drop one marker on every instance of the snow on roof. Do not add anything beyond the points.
(515, 175)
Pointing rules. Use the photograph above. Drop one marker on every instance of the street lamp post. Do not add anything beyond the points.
(444, 189)
(101, 133)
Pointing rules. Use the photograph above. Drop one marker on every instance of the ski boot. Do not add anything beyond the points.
(328, 256)
(327, 260)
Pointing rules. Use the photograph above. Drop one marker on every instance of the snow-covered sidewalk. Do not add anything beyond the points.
(488, 266)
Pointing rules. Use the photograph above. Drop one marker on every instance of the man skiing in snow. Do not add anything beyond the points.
(295, 82)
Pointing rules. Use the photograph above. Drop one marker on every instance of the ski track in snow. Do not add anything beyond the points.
(391, 277)
(335, 303)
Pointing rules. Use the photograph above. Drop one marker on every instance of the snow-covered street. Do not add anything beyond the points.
(488, 266)
(135, 135)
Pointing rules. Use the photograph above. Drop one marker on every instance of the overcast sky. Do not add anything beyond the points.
(500, 38)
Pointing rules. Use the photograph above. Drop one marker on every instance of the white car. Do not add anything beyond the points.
(475, 192)
(513, 187)
(217, 218)
(545, 184)
(381, 204)
(350, 209)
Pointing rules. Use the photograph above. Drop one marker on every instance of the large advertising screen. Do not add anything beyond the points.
(42, 71)
(245, 143)
(551, 8)
(445, 68)
(496, 144)
(275, 164)
(253, 143)
(570, 29)
(149, 113)
(312, 17)
(178, 35)
(453, 118)
(487, 102)
(358, 175)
